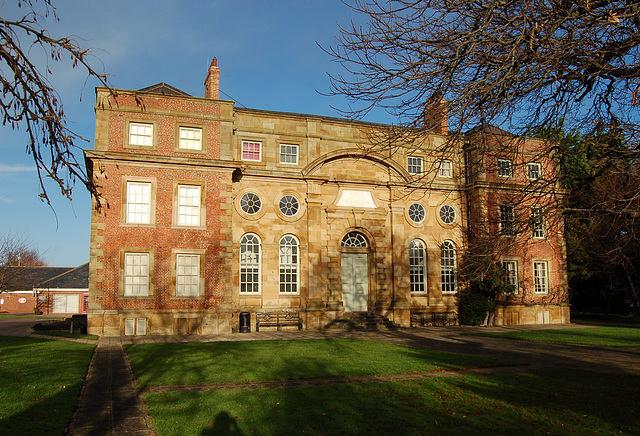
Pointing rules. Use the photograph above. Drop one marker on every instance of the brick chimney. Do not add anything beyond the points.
(212, 82)
(435, 114)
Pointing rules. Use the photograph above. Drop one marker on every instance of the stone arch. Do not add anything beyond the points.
(356, 153)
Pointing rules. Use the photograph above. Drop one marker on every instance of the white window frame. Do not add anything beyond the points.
(287, 153)
(136, 274)
(418, 267)
(530, 170)
(250, 264)
(510, 270)
(189, 205)
(448, 268)
(187, 275)
(505, 168)
(135, 326)
(141, 134)
(190, 138)
(445, 168)
(289, 265)
(507, 214)
(538, 223)
(415, 165)
(251, 143)
(540, 277)
(138, 204)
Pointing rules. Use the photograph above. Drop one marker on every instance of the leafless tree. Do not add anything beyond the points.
(15, 251)
(518, 64)
(28, 100)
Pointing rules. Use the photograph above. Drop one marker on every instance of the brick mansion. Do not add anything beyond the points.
(216, 211)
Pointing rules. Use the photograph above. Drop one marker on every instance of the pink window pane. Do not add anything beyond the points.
(251, 150)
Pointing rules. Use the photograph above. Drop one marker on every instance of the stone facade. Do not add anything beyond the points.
(215, 210)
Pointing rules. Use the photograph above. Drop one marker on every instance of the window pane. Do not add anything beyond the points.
(288, 153)
(190, 138)
(504, 168)
(510, 270)
(445, 168)
(533, 171)
(249, 263)
(537, 222)
(540, 277)
(187, 274)
(414, 165)
(136, 274)
(417, 266)
(141, 134)
(448, 269)
(138, 203)
(288, 264)
(188, 205)
(251, 150)
(507, 220)
(416, 213)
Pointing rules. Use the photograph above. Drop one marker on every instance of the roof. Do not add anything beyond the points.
(489, 129)
(164, 89)
(21, 278)
(74, 278)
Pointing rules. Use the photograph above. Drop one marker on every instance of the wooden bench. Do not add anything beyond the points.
(439, 319)
(278, 319)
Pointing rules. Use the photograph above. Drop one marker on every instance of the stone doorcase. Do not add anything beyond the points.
(354, 260)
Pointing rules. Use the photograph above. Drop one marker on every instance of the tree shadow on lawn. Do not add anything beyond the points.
(43, 416)
(241, 361)
(544, 354)
(503, 404)
(39, 384)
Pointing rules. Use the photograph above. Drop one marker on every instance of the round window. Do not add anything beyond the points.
(417, 212)
(289, 205)
(250, 203)
(447, 214)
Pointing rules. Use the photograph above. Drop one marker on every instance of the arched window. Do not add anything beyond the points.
(417, 266)
(354, 239)
(250, 263)
(289, 261)
(448, 269)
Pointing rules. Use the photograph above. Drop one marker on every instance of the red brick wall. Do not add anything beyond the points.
(161, 238)
(12, 305)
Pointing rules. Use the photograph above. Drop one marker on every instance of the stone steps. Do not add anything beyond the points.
(362, 321)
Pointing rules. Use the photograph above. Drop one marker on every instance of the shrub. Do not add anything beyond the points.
(478, 300)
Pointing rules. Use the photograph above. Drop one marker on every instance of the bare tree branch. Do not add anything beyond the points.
(28, 101)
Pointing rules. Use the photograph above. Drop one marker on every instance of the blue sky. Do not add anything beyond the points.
(269, 58)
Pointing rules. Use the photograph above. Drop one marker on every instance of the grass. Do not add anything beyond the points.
(539, 402)
(600, 336)
(217, 362)
(4, 315)
(40, 382)
(65, 334)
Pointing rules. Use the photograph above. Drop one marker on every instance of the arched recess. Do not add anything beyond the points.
(356, 153)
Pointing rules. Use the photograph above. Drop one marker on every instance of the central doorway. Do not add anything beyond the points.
(355, 273)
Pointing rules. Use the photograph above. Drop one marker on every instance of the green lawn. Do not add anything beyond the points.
(5, 315)
(40, 382)
(62, 334)
(556, 402)
(217, 362)
(627, 337)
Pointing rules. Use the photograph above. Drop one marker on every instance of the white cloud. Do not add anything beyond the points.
(15, 168)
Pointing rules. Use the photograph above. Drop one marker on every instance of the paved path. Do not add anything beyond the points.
(110, 404)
